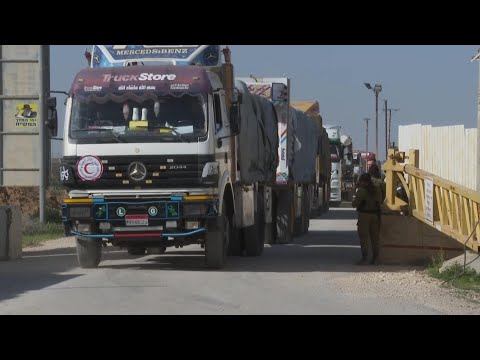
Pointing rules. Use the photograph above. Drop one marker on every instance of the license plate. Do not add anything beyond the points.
(136, 220)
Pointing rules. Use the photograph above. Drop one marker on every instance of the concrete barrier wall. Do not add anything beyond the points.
(407, 241)
(10, 233)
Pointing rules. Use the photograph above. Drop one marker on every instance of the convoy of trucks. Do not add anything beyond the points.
(164, 147)
(341, 155)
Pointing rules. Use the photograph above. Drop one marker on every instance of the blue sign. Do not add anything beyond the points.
(121, 55)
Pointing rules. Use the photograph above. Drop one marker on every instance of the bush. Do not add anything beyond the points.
(32, 226)
(52, 215)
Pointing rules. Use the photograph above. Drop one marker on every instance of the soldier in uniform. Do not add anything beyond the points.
(374, 172)
(367, 202)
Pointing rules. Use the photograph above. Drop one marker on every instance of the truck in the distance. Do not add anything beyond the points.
(342, 183)
(370, 158)
(321, 196)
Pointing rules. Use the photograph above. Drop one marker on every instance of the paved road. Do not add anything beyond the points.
(299, 278)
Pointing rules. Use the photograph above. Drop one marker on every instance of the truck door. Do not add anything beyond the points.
(222, 133)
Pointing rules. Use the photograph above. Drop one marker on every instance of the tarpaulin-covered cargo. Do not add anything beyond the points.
(310, 108)
(305, 147)
(258, 138)
(324, 154)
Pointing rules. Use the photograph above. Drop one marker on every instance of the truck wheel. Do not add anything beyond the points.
(89, 252)
(320, 210)
(306, 215)
(261, 221)
(218, 236)
(283, 218)
(235, 244)
(297, 226)
(136, 251)
(253, 241)
(254, 235)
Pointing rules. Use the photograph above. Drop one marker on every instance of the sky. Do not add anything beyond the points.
(431, 85)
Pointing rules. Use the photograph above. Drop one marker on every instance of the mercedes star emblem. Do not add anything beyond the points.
(137, 171)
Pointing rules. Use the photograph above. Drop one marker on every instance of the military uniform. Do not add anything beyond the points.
(381, 184)
(368, 208)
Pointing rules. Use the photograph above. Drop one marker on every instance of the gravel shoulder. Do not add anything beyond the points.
(61, 243)
(402, 285)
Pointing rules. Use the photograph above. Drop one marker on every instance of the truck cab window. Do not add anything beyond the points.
(98, 116)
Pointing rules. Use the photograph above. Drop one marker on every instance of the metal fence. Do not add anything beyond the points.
(447, 151)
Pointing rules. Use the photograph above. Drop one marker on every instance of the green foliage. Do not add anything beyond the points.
(34, 232)
(455, 275)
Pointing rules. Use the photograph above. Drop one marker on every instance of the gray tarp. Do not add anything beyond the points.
(258, 139)
(306, 140)
(324, 152)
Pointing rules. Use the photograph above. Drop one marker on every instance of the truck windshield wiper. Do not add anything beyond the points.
(115, 136)
(179, 135)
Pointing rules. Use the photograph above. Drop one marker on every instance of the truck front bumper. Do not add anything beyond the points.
(127, 219)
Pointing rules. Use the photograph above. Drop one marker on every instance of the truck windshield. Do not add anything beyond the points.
(132, 118)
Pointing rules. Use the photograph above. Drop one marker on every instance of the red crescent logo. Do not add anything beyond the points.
(89, 174)
(85, 168)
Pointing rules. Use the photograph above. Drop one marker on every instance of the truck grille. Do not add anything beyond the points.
(173, 171)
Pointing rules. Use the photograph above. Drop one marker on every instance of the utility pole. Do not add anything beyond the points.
(386, 129)
(376, 126)
(376, 89)
(42, 112)
(390, 125)
(366, 135)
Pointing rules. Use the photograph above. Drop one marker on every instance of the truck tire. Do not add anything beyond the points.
(326, 202)
(297, 226)
(136, 251)
(89, 252)
(307, 214)
(235, 244)
(253, 240)
(283, 218)
(218, 239)
(255, 235)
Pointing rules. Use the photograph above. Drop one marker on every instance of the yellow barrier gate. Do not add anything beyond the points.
(450, 208)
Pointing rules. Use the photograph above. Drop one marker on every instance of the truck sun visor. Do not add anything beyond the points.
(158, 81)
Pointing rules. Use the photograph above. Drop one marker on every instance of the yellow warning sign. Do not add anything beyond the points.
(26, 115)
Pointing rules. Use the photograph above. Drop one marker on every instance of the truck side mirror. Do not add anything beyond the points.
(235, 119)
(237, 97)
(52, 119)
